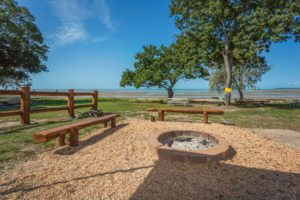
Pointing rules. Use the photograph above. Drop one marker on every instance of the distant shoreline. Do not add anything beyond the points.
(124, 89)
(153, 93)
(191, 93)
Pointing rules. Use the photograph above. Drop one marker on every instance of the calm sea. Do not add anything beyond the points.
(190, 93)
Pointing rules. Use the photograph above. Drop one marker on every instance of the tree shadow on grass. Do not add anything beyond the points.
(44, 103)
(173, 180)
(284, 106)
(90, 141)
(21, 127)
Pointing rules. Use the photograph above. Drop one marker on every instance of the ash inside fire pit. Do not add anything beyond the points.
(190, 142)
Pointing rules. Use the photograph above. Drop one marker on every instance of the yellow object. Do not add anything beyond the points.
(227, 90)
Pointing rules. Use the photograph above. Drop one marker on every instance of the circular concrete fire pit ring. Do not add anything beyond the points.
(190, 146)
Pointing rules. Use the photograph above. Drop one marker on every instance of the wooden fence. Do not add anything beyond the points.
(25, 95)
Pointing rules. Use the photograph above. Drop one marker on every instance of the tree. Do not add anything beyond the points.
(22, 48)
(244, 75)
(162, 67)
(224, 30)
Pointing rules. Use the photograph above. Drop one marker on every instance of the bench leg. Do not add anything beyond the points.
(161, 115)
(105, 124)
(152, 118)
(60, 141)
(205, 117)
(113, 123)
(74, 137)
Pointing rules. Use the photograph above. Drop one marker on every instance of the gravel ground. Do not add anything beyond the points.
(119, 164)
(288, 137)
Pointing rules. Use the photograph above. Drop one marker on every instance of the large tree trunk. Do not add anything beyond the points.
(227, 55)
(170, 93)
(240, 90)
(239, 85)
(228, 84)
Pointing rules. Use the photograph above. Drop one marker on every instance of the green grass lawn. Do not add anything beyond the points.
(16, 142)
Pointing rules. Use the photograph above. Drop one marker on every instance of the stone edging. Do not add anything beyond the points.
(213, 154)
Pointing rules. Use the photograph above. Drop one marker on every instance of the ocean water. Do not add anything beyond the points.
(189, 93)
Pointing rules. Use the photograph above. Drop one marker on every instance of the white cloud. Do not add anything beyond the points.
(74, 13)
(294, 83)
(102, 12)
(100, 39)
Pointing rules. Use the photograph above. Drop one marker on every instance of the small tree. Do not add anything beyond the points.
(244, 75)
(22, 49)
(162, 67)
(226, 29)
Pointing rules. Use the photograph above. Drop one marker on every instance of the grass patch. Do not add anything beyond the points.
(16, 142)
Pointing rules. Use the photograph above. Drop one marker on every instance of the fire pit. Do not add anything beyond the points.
(190, 146)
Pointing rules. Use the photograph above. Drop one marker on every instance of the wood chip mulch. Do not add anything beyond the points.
(119, 164)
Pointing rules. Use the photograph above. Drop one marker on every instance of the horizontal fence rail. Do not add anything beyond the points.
(10, 113)
(49, 94)
(10, 92)
(25, 95)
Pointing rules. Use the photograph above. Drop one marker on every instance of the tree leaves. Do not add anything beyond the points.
(22, 48)
(162, 67)
(240, 30)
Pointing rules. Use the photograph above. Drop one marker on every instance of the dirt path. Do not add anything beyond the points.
(118, 164)
(288, 137)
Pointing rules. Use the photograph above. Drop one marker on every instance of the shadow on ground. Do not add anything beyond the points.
(173, 180)
(26, 188)
(22, 127)
(269, 105)
(90, 141)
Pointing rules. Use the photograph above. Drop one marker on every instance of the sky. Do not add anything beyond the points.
(93, 41)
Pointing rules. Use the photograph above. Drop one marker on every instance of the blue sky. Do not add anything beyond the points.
(93, 41)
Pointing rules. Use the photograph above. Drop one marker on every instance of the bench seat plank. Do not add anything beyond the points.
(205, 112)
(191, 111)
(50, 134)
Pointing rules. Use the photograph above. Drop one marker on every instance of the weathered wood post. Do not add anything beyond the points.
(71, 103)
(161, 115)
(95, 100)
(60, 141)
(105, 125)
(205, 117)
(25, 105)
(113, 123)
(74, 137)
(152, 118)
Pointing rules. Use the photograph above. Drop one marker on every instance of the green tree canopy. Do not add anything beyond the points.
(162, 67)
(22, 48)
(244, 75)
(225, 31)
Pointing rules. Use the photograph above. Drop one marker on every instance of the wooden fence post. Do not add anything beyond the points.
(71, 103)
(161, 115)
(205, 117)
(95, 100)
(25, 105)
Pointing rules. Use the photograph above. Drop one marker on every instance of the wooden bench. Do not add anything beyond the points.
(208, 101)
(205, 112)
(252, 101)
(178, 101)
(72, 129)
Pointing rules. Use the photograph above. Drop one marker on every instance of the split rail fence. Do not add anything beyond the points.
(25, 95)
